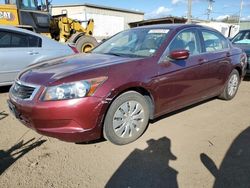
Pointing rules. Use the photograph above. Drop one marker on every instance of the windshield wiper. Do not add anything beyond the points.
(115, 54)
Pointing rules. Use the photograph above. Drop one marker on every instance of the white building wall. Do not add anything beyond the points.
(228, 30)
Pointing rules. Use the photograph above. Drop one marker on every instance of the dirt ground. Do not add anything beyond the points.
(207, 145)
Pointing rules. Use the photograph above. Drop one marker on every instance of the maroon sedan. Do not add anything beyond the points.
(137, 75)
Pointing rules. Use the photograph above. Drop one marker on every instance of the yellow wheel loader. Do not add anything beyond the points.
(35, 16)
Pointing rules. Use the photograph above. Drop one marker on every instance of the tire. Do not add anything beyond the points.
(127, 118)
(231, 86)
(86, 43)
(74, 37)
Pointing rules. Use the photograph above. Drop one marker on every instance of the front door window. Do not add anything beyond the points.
(186, 40)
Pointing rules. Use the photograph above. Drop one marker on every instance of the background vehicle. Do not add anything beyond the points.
(137, 75)
(30, 14)
(21, 48)
(242, 40)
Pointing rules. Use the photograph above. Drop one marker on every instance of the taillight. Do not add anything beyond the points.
(74, 49)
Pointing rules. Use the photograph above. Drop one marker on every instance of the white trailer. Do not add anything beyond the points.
(228, 30)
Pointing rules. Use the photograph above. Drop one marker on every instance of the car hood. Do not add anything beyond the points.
(49, 71)
(245, 47)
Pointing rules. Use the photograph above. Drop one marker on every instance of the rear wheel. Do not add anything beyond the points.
(86, 43)
(232, 86)
(126, 119)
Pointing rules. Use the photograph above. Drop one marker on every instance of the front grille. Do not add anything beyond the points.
(23, 91)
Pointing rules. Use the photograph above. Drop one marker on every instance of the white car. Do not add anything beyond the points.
(20, 48)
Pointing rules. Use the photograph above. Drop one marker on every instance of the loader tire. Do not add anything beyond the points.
(86, 43)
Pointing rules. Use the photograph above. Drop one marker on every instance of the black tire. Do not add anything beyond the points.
(133, 122)
(228, 94)
(74, 37)
(86, 43)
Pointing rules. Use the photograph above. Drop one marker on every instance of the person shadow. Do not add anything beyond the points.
(234, 170)
(147, 168)
(10, 156)
(3, 115)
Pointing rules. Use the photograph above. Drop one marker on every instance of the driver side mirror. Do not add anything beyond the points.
(179, 54)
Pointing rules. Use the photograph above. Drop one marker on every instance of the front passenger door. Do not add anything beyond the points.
(180, 82)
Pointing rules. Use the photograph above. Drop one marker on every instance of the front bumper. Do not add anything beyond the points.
(76, 120)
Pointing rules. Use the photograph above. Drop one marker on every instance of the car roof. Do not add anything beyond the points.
(177, 27)
(243, 30)
(170, 26)
(13, 28)
(46, 40)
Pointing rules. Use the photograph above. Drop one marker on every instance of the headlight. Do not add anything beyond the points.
(73, 90)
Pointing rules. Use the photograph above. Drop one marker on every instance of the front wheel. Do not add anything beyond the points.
(126, 119)
(232, 86)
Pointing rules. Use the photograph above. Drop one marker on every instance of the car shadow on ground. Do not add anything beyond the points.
(147, 168)
(234, 170)
(10, 156)
(3, 115)
(97, 141)
(4, 89)
(246, 78)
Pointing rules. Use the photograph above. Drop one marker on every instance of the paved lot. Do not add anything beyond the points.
(203, 146)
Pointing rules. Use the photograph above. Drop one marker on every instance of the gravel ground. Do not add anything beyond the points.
(206, 145)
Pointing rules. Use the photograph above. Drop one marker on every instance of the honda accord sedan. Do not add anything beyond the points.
(135, 76)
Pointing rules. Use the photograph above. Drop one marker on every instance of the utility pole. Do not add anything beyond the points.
(209, 8)
(189, 15)
(241, 7)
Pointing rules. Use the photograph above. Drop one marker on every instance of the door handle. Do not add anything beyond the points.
(32, 53)
(202, 61)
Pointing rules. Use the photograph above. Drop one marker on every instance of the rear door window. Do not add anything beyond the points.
(214, 42)
(5, 39)
(17, 40)
(34, 41)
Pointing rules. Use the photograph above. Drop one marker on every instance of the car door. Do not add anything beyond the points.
(18, 50)
(180, 82)
(218, 59)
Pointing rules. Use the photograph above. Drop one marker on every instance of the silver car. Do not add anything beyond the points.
(20, 48)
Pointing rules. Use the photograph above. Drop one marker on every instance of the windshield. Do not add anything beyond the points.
(29, 4)
(243, 37)
(134, 43)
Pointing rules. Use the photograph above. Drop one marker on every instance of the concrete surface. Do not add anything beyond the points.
(207, 145)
